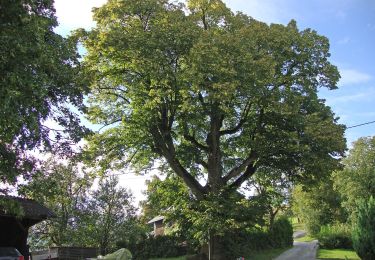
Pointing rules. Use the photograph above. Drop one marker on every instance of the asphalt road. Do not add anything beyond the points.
(300, 251)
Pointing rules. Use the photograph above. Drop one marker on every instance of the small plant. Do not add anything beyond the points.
(364, 230)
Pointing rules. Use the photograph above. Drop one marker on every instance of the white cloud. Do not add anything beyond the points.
(352, 76)
(73, 14)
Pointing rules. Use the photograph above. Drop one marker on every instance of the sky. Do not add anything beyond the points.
(348, 24)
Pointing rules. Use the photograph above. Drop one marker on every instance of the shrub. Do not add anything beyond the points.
(245, 242)
(281, 233)
(160, 246)
(335, 236)
(364, 230)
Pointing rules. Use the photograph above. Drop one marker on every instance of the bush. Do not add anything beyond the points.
(364, 230)
(246, 242)
(153, 247)
(335, 236)
(281, 233)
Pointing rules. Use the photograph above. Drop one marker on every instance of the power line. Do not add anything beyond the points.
(354, 126)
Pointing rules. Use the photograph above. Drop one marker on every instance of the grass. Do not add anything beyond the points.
(267, 254)
(305, 238)
(336, 254)
(262, 255)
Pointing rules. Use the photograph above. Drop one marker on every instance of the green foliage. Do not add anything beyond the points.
(244, 242)
(317, 206)
(196, 220)
(38, 69)
(160, 246)
(62, 188)
(335, 236)
(281, 233)
(105, 217)
(274, 188)
(204, 94)
(210, 95)
(357, 179)
(84, 217)
(364, 229)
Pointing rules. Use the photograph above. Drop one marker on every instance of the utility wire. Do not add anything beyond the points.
(354, 126)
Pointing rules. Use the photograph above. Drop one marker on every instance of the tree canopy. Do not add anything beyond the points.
(356, 180)
(37, 72)
(212, 94)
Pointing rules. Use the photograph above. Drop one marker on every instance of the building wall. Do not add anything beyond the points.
(159, 228)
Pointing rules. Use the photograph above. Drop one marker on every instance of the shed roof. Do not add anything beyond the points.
(31, 208)
(155, 219)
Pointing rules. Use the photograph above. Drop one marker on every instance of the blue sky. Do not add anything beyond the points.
(348, 24)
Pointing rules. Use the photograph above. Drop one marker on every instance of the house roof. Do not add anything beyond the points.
(155, 219)
(31, 208)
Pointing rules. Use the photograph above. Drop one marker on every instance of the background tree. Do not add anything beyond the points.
(37, 72)
(106, 215)
(357, 179)
(274, 188)
(62, 187)
(318, 206)
(212, 94)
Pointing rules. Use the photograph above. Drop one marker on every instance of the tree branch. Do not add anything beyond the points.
(237, 170)
(250, 170)
(191, 139)
(240, 123)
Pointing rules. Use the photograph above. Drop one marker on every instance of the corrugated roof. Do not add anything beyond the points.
(155, 219)
(31, 208)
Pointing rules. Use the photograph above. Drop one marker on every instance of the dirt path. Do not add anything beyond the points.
(300, 251)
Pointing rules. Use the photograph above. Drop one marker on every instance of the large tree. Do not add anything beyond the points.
(37, 72)
(212, 94)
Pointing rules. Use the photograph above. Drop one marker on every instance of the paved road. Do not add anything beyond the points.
(299, 233)
(300, 251)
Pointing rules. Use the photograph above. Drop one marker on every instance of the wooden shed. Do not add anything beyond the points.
(158, 223)
(15, 229)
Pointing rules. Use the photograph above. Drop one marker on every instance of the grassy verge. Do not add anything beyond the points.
(336, 254)
(306, 238)
(267, 254)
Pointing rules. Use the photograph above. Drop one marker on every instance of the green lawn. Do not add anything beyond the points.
(263, 255)
(337, 254)
(306, 238)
